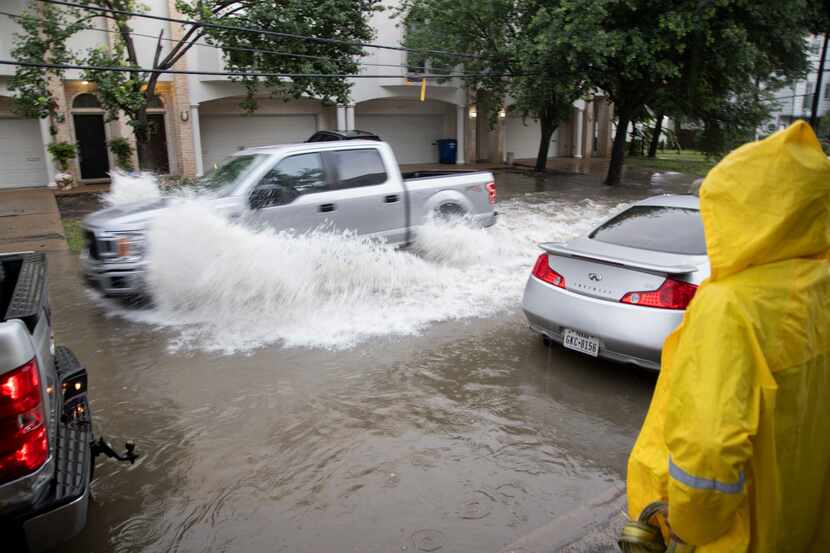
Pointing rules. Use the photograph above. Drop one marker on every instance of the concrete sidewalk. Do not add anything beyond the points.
(30, 221)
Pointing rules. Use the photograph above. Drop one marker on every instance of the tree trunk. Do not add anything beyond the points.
(635, 137)
(548, 127)
(141, 130)
(615, 166)
(818, 91)
(655, 136)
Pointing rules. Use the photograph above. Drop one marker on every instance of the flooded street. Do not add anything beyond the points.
(331, 395)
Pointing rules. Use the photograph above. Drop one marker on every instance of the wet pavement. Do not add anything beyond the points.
(466, 434)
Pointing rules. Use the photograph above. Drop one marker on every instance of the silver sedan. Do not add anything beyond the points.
(619, 291)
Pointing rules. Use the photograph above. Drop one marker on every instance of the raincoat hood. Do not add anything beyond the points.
(767, 201)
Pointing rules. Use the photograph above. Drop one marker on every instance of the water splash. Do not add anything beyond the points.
(227, 287)
(129, 188)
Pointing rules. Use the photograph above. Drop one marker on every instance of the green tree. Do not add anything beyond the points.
(47, 28)
(708, 55)
(43, 39)
(545, 47)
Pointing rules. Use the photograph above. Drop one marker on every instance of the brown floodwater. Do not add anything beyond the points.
(461, 437)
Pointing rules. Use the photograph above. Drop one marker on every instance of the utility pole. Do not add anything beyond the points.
(817, 95)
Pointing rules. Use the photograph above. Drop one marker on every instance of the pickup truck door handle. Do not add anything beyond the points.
(326, 208)
(391, 198)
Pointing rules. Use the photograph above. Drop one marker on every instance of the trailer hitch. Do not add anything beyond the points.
(103, 447)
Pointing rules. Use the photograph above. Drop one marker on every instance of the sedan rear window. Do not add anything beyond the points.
(658, 228)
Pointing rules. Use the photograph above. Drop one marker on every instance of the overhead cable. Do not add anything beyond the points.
(277, 34)
(229, 48)
(247, 73)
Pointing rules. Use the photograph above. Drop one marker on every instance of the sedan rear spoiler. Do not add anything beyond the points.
(562, 249)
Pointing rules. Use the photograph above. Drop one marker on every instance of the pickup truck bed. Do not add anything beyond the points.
(411, 175)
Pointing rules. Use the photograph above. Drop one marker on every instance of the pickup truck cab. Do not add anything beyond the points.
(45, 424)
(353, 185)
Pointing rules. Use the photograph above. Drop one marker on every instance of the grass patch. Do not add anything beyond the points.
(690, 162)
(72, 232)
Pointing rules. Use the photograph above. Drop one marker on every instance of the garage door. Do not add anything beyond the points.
(22, 159)
(223, 135)
(411, 136)
(522, 138)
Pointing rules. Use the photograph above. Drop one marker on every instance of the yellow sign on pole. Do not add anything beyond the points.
(423, 89)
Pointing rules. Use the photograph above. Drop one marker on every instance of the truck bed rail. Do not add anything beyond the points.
(26, 297)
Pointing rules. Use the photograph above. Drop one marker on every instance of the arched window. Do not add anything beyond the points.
(86, 100)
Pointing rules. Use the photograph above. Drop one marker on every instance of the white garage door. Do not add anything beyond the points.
(223, 135)
(22, 159)
(411, 136)
(522, 138)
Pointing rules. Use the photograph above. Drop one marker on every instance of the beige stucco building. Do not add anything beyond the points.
(200, 120)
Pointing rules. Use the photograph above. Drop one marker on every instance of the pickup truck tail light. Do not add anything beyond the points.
(24, 445)
(491, 192)
(543, 272)
(672, 294)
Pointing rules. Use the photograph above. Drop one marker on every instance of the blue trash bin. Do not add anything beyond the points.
(447, 150)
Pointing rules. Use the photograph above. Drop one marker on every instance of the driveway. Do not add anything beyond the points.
(29, 220)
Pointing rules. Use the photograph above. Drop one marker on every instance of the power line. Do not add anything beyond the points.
(277, 34)
(231, 48)
(243, 73)
(794, 96)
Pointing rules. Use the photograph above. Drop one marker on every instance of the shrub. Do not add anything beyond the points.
(123, 152)
(62, 152)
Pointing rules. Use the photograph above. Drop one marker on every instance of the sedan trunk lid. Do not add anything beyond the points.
(609, 272)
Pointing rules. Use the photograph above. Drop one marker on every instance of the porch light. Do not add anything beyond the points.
(502, 114)
(473, 112)
(84, 83)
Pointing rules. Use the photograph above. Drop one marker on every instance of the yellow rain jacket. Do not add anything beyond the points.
(737, 437)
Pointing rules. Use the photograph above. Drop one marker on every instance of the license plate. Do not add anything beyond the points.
(574, 340)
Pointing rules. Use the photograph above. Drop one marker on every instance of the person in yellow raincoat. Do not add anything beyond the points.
(737, 437)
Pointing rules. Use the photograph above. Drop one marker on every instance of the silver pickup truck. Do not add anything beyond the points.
(47, 451)
(45, 433)
(351, 185)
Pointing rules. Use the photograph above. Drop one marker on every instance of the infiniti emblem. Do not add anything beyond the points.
(596, 277)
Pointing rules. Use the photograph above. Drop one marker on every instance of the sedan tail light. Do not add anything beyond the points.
(543, 272)
(672, 294)
(24, 445)
(491, 192)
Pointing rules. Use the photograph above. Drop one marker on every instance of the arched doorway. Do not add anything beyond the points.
(91, 136)
(410, 126)
(154, 156)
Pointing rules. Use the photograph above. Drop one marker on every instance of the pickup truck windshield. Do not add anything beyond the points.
(225, 176)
